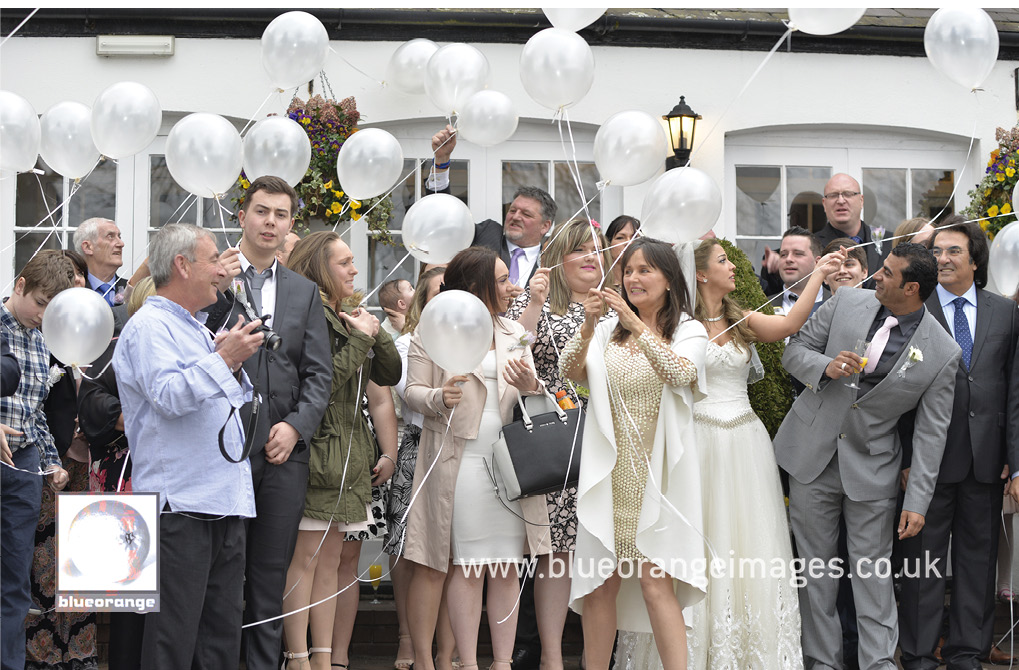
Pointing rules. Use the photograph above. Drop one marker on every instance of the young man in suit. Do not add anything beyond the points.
(841, 449)
(294, 384)
(984, 430)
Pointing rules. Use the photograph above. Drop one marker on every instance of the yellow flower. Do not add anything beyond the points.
(1006, 208)
(337, 194)
(336, 208)
(328, 185)
(245, 183)
(993, 211)
(1011, 161)
(987, 192)
(1010, 172)
(999, 176)
(355, 216)
(983, 225)
(355, 204)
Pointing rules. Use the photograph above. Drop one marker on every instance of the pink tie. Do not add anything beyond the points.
(877, 345)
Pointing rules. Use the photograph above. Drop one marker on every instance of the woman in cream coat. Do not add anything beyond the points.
(454, 512)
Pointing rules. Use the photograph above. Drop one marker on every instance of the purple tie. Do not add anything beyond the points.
(515, 265)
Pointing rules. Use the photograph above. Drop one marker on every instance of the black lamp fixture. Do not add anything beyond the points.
(682, 121)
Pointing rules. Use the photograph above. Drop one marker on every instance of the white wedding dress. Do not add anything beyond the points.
(750, 618)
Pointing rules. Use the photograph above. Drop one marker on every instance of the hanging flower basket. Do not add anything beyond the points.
(993, 195)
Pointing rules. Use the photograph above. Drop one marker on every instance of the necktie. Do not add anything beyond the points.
(792, 297)
(106, 290)
(878, 344)
(514, 274)
(962, 335)
(255, 282)
(856, 238)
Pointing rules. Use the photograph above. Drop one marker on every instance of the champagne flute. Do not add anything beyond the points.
(861, 349)
(375, 573)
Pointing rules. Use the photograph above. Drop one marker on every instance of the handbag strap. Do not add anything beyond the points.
(495, 485)
(526, 418)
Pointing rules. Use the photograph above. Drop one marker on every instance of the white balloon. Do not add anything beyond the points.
(369, 163)
(487, 118)
(962, 42)
(456, 331)
(572, 19)
(453, 74)
(437, 227)
(824, 21)
(680, 206)
(277, 146)
(1003, 263)
(556, 68)
(125, 119)
(204, 154)
(294, 49)
(19, 133)
(66, 139)
(77, 326)
(406, 69)
(629, 148)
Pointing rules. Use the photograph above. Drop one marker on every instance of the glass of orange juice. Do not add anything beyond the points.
(375, 573)
(861, 349)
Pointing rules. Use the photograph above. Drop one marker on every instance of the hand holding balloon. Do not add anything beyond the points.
(451, 391)
(443, 143)
(231, 262)
(539, 285)
(361, 320)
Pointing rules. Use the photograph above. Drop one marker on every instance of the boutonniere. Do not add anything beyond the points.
(912, 358)
(56, 372)
(118, 298)
(237, 286)
(878, 234)
(526, 340)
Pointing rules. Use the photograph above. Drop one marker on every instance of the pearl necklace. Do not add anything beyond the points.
(715, 318)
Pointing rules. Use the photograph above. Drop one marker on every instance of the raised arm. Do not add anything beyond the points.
(772, 328)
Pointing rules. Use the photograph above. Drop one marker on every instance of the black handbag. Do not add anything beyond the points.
(540, 453)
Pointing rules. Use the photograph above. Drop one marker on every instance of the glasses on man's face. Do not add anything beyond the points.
(835, 195)
(954, 252)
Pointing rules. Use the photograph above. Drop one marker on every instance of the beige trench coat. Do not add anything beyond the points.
(431, 515)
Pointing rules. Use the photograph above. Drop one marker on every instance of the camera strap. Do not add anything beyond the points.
(262, 363)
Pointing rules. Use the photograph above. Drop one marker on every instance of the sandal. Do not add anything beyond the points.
(403, 663)
(509, 663)
(295, 656)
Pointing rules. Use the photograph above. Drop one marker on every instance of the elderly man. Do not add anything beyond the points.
(518, 239)
(98, 240)
(840, 446)
(983, 439)
(180, 389)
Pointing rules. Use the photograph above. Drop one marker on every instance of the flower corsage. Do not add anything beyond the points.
(912, 358)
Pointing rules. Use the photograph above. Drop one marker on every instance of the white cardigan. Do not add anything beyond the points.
(673, 541)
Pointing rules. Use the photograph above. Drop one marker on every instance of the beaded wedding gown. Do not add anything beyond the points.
(750, 618)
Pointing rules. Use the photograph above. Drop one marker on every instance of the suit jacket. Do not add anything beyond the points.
(430, 522)
(295, 380)
(984, 431)
(829, 419)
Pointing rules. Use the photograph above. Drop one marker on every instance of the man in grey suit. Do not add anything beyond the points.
(841, 449)
(294, 383)
(967, 499)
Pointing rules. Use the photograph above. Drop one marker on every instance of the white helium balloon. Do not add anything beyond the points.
(77, 326)
(572, 19)
(962, 42)
(680, 206)
(453, 74)
(369, 163)
(487, 118)
(437, 227)
(1003, 263)
(19, 133)
(824, 21)
(125, 119)
(294, 49)
(65, 139)
(406, 69)
(204, 154)
(556, 68)
(277, 146)
(629, 148)
(456, 331)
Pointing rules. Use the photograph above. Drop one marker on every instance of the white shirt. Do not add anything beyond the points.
(789, 299)
(945, 297)
(268, 288)
(525, 263)
(437, 181)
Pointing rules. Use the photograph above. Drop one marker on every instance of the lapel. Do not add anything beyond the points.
(984, 308)
(934, 305)
(282, 297)
(503, 342)
(860, 321)
(919, 340)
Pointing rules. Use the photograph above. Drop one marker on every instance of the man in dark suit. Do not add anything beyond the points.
(984, 430)
(798, 254)
(529, 217)
(294, 383)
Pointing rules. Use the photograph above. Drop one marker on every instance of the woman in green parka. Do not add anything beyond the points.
(345, 461)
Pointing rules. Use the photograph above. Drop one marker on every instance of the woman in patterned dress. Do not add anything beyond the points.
(553, 309)
(640, 557)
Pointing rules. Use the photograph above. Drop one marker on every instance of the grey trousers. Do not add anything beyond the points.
(814, 510)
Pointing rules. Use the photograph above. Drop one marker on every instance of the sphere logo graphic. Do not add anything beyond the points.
(108, 541)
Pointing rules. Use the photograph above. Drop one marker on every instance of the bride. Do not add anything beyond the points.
(750, 616)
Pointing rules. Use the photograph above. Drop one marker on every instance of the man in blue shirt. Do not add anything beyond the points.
(179, 389)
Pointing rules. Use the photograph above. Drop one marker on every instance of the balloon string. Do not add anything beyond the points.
(345, 207)
(562, 226)
(12, 33)
(395, 268)
(575, 173)
(965, 162)
(273, 92)
(357, 69)
(222, 224)
(718, 122)
(40, 471)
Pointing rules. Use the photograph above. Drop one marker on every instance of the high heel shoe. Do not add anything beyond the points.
(295, 656)
(507, 662)
(403, 663)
